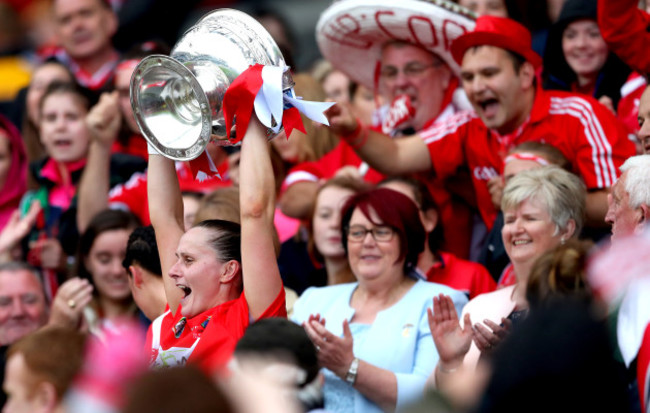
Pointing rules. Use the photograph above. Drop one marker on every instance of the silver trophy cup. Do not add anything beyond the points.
(177, 99)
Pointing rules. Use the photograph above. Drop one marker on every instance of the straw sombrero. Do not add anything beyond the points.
(351, 33)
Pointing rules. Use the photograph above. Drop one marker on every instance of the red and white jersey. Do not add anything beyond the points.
(593, 140)
(325, 167)
(455, 217)
(643, 371)
(132, 195)
(93, 81)
(628, 106)
(208, 338)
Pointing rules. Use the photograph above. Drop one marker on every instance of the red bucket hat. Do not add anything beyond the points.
(500, 32)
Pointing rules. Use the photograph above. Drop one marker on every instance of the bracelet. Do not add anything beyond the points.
(351, 375)
(447, 371)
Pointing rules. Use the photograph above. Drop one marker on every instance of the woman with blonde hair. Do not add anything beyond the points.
(543, 208)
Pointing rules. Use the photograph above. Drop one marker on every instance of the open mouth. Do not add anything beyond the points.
(185, 289)
(489, 107)
(62, 143)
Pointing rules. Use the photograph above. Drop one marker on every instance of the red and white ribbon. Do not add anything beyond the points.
(260, 88)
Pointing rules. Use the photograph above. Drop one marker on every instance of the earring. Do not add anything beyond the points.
(562, 241)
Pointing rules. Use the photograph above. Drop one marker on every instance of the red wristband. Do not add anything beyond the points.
(348, 137)
(357, 138)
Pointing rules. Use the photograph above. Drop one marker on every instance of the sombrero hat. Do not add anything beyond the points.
(351, 33)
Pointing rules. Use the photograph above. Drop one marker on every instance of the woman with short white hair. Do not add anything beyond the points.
(542, 208)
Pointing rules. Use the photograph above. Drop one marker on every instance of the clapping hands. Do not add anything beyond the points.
(453, 341)
(334, 353)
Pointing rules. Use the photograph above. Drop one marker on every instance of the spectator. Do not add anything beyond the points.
(577, 59)
(13, 170)
(51, 70)
(299, 148)
(510, 109)
(644, 121)
(335, 83)
(629, 201)
(559, 274)
(130, 139)
(40, 368)
(23, 305)
(543, 207)
(142, 262)
(372, 336)
(435, 265)
(486, 7)
(417, 79)
(325, 243)
(65, 137)
(101, 293)
(85, 29)
(563, 352)
(277, 345)
(525, 156)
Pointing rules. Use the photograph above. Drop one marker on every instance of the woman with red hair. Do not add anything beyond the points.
(375, 347)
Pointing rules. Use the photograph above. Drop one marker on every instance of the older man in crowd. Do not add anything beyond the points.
(85, 29)
(628, 214)
(23, 306)
(629, 200)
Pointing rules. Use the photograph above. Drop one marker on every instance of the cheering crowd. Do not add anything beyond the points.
(467, 233)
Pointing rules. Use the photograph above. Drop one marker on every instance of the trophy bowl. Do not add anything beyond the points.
(177, 99)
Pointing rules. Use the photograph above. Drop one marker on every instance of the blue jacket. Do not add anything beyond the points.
(399, 340)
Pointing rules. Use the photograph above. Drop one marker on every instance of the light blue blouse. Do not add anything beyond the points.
(399, 340)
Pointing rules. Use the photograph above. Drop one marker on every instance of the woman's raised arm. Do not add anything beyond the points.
(262, 282)
(166, 213)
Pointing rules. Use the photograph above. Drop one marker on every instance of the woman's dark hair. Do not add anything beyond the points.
(394, 210)
(425, 202)
(58, 87)
(142, 249)
(29, 129)
(225, 239)
(106, 220)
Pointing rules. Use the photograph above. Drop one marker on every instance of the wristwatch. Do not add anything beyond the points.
(351, 375)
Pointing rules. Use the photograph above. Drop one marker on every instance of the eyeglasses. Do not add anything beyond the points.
(411, 70)
(357, 233)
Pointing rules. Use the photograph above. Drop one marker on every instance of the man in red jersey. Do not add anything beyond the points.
(498, 73)
(416, 74)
